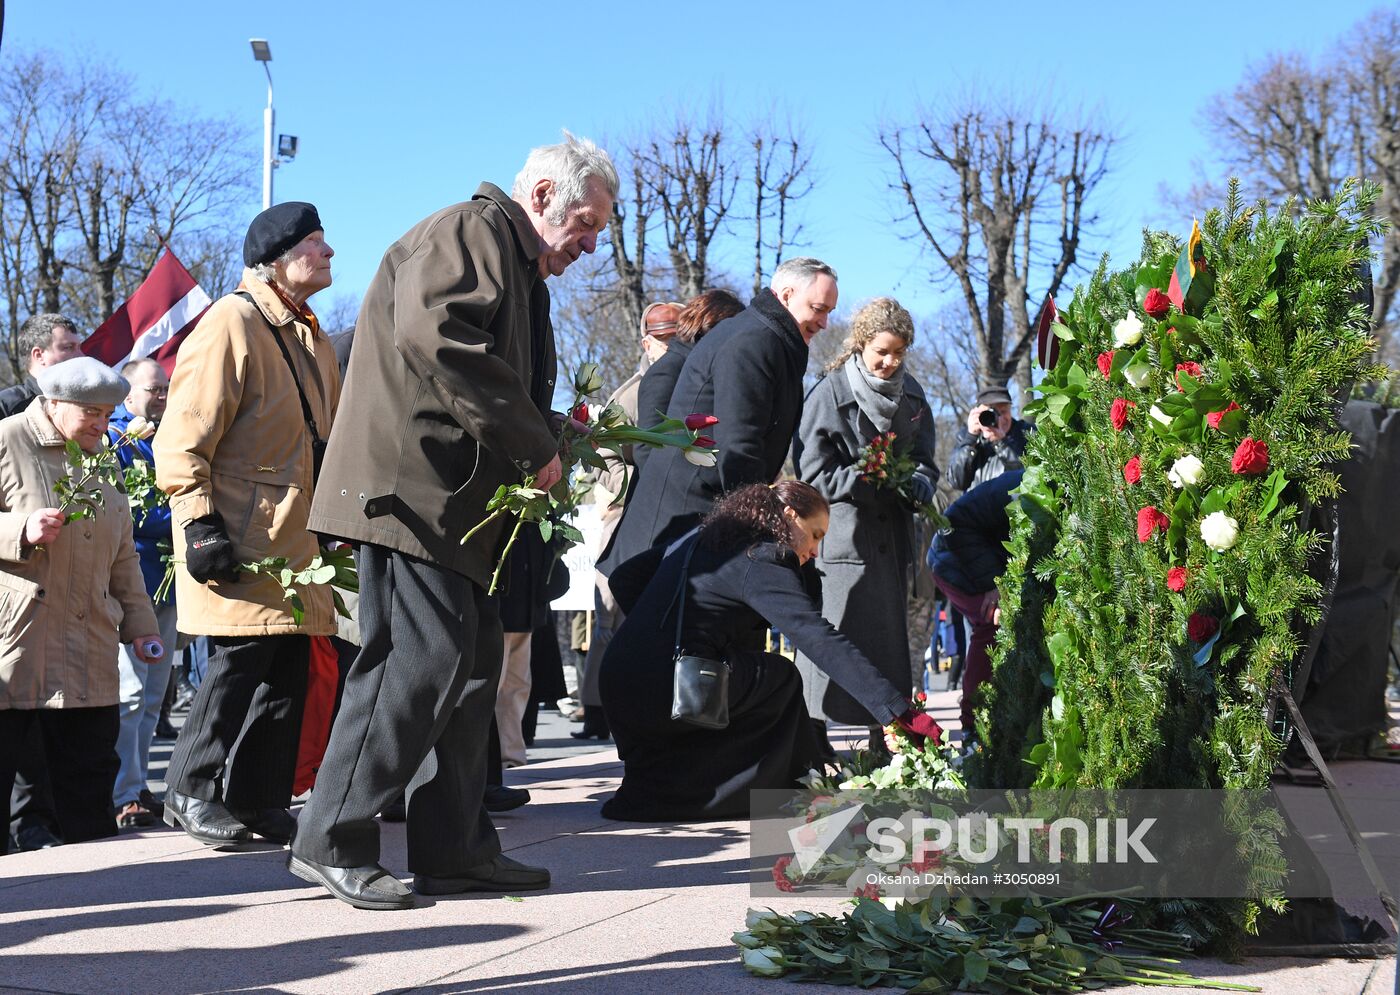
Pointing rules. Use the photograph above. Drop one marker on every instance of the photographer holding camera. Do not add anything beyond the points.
(992, 442)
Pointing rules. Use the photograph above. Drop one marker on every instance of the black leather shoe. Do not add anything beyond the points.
(367, 887)
(275, 824)
(500, 873)
(207, 822)
(499, 798)
(36, 837)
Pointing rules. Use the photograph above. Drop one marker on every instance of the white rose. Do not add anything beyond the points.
(1219, 531)
(701, 457)
(1137, 374)
(1128, 331)
(139, 428)
(1160, 416)
(1185, 471)
(766, 962)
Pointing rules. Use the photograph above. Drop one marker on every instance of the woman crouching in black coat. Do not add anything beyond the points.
(744, 576)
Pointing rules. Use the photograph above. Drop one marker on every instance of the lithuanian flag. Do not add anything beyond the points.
(1185, 269)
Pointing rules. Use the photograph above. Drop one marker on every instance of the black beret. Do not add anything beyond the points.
(277, 229)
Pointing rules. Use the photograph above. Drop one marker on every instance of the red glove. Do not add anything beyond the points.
(919, 725)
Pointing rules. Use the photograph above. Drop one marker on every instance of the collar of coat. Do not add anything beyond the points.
(274, 307)
(525, 235)
(766, 303)
(41, 424)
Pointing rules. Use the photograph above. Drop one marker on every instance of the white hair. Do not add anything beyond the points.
(799, 272)
(265, 271)
(570, 165)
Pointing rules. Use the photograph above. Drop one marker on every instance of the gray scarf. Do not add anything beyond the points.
(877, 399)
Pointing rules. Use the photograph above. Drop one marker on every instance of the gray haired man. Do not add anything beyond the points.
(747, 372)
(450, 379)
(44, 340)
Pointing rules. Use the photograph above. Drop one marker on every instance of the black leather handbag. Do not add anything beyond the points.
(700, 687)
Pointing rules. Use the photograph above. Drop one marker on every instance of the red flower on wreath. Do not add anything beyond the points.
(1132, 470)
(1176, 579)
(780, 877)
(1251, 456)
(1213, 419)
(867, 891)
(1190, 369)
(1105, 362)
(930, 861)
(1118, 412)
(1199, 628)
(1156, 303)
(1150, 520)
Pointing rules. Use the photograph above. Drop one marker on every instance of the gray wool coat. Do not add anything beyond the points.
(867, 554)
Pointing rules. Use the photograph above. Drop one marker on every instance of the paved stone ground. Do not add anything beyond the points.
(633, 908)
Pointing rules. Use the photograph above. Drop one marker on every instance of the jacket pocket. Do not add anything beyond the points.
(843, 542)
(258, 508)
(21, 601)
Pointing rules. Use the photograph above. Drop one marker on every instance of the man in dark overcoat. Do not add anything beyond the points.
(450, 379)
(747, 372)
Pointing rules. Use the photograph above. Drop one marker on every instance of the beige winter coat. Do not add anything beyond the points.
(233, 440)
(63, 607)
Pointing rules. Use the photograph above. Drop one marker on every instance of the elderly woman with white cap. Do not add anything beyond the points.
(70, 592)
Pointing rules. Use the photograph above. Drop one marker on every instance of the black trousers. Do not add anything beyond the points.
(31, 800)
(81, 746)
(415, 717)
(248, 707)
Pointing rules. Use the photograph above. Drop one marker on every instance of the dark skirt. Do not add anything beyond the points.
(676, 772)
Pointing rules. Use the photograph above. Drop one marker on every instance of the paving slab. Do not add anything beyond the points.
(633, 908)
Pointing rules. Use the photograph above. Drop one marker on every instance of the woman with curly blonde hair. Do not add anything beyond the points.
(865, 560)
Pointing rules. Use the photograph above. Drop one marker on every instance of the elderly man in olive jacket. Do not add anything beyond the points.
(747, 372)
(447, 397)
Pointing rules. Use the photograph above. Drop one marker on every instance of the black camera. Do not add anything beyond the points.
(988, 417)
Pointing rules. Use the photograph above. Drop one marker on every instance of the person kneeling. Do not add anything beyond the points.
(731, 578)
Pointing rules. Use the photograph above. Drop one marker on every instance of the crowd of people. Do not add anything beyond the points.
(275, 442)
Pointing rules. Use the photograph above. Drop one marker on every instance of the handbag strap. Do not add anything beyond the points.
(301, 394)
(678, 600)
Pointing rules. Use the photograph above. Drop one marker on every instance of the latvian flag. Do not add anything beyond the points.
(154, 320)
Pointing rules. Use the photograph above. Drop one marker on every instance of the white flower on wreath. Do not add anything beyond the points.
(1128, 330)
(1137, 374)
(1186, 471)
(1219, 531)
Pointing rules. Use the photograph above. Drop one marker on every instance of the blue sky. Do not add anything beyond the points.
(403, 108)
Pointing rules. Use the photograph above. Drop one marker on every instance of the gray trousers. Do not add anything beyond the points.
(414, 718)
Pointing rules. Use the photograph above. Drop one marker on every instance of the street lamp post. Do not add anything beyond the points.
(262, 53)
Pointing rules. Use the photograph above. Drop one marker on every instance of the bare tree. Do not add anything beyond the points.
(95, 180)
(782, 175)
(1297, 128)
(1001, 198)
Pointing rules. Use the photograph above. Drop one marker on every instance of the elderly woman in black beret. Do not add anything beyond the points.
(70, 592)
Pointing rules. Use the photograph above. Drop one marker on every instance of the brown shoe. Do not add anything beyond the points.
(134, 815)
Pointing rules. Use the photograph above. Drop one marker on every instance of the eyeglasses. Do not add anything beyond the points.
(157, 391)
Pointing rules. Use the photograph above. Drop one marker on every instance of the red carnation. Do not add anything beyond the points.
(1176, 579)
(1252, 456)
(780, 877)
(1190, 369)
(1213, 419)
(1132, 470)
(1199, 628)
(696, 422)
(1157, 304)
(705, 442)
(1151, 519)
(1118, 413)
(867, 891)
(1105, 362)
(580, 413)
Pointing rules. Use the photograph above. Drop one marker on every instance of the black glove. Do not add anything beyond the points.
(208, 551)
(921, 489)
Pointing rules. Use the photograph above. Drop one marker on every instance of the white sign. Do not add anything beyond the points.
(580, 560)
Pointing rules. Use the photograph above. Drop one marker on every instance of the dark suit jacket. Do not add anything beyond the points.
(747, 372)
(655, 388)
